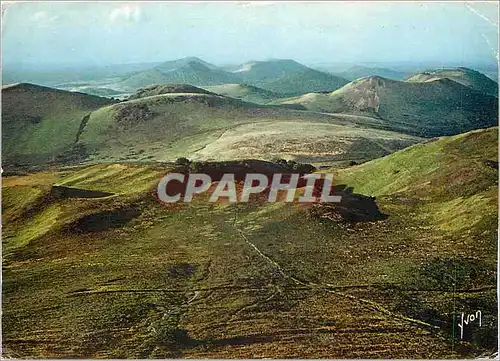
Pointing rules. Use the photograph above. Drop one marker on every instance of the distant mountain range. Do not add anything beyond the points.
(286, 77)
(191, 107)
(195, 72)
(282, 77)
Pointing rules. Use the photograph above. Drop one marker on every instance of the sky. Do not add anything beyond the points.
(102, 33)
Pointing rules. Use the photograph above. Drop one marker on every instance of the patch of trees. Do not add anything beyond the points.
(182, 161)
(295, 166)
(290, 165)
(192, 166)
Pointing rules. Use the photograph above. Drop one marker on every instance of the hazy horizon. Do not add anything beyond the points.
(100, 34)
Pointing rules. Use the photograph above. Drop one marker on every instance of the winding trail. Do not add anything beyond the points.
(332, 289)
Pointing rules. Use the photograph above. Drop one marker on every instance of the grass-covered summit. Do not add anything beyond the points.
(158, 89)
(465, 76)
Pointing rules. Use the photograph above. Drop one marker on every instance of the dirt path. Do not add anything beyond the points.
(333, 289)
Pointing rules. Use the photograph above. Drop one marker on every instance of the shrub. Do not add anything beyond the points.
(280, 161)
(292, 164)
(182, 161)
(196, 167)
(167, 330)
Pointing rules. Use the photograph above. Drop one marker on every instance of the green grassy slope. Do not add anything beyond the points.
(465, 76)
(451, 175)
(124, 276)
(444, 196)
(450, 165)
(304, 141)
(39, 123)
(441, 107)
(143, 79)
(247, 93)
(164, 122)
(207, 126)
(305, 81)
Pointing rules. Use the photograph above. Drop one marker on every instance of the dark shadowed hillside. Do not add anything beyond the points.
(39, 123)
(430, 108)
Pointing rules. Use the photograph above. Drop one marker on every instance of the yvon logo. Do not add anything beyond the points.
(468, 319)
